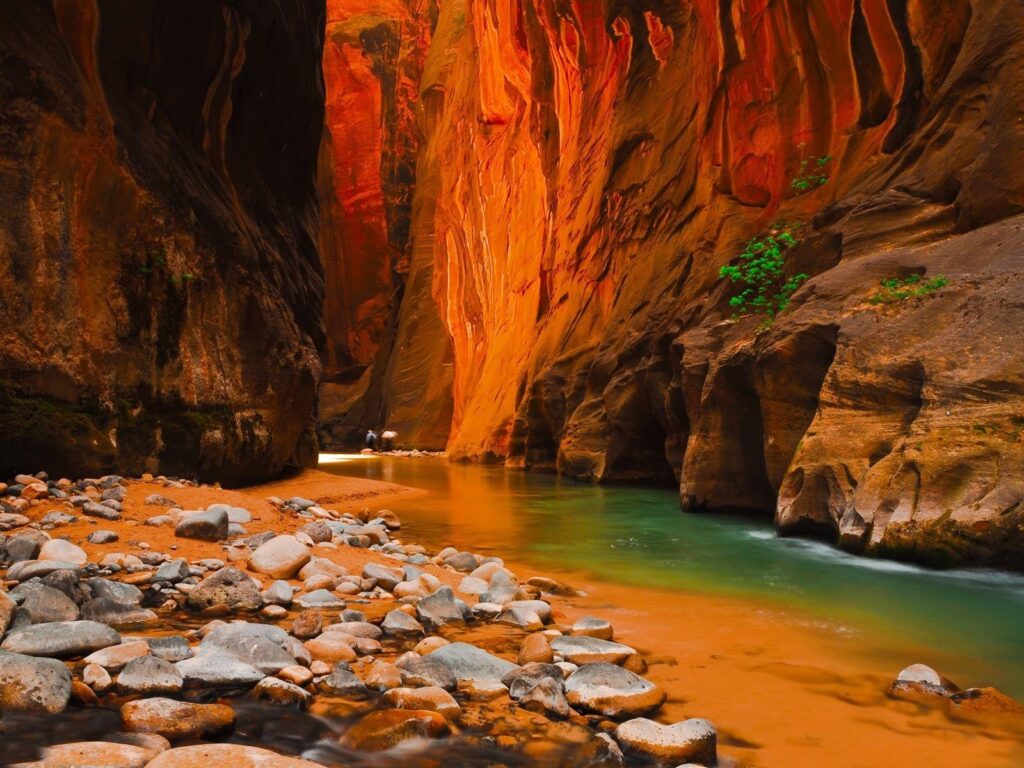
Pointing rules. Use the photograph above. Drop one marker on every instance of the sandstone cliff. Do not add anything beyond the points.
(585, 170)
(160, 289)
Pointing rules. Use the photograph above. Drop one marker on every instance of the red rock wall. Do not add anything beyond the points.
(160, 291)
(586, 168)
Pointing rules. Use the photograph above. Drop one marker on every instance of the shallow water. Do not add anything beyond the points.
(969, 624)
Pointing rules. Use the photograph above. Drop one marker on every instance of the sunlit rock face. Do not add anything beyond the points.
(585, 170)
(160, 289)
(374, 55)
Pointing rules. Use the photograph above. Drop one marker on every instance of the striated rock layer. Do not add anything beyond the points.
(585, 170)
(160, 288)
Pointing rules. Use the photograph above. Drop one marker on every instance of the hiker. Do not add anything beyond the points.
(371, 440)
(387, 439)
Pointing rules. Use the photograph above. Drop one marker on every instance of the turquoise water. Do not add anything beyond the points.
(970, 624)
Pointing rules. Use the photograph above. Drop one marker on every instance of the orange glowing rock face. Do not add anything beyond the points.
(373, 54)
(586, 168)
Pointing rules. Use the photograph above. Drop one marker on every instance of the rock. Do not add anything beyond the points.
(257, 645)
(318, 531)
(172, 647)
(320, 598)
(388, 578)
(424, 671)
(920, 679)
(115, 590)
(400, 624)
(25, 545)
(430, 698)
(331, 647)
(173, 571)
(61, 639)
(545, 696)
(536, 648)
(296, 674)
(35, 685)
(690, 741)
(206, 526)
(149, 675)
(383, 676)
(463, 561)
(472, 586)
(589, 626)
(281, 558)
(540, 607)
(439, 608)
(97, 678)
(117, 614)
(280, 592)
(103, 754)
(102, 537)
(226, 756)
(357, 629)
(38, 569)
(44, 604)
(282, 694)
(610, 690)
(62, 551)
(114, 658)
(388, 728)
(228, 587)
(521, 617)
(102, 511)
(56, 518)
(307, 625)
(475, 670)
(342, 682)
(217, 670)
(7, 608)
(588, 650)
(984, 703)
(177, 719)
(238, 515)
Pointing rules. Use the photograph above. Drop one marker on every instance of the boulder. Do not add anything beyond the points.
(612, 691)
(342, 682)
(281, 558)
(44, 604)
(590, 626)
(117, 614)
(256, 645)
(474, 668)
(7, 608)
(920, 679)
(115, 590)
(228, 587)
(104, 754)
(63, 551)
(177, 719)
(331, 647)
(320, 598)
(388, 578)
(689, 741)
(114, 658)
(439, 608)
(61, 639)
(281, 693)
(217, 670)
(206, 526)
(521, 617)
(423, 671)
(34, 685)
(588, 650)
(400, 624)
(536, 648)
(148, 675)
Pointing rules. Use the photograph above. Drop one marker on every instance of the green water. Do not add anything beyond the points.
(969, 624)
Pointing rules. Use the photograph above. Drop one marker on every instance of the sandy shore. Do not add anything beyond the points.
(782, 692)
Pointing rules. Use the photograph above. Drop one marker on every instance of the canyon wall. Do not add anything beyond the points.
(160, 287)
(586, 168)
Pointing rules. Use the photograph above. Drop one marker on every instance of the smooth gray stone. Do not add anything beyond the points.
(61, 639)
(29, 684)
(149, 675)
(469, 663)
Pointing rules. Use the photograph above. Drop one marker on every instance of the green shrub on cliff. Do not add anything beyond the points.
(896, 289)
(813, 173)
(761, 269)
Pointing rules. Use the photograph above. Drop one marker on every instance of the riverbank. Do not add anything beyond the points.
(781, 690)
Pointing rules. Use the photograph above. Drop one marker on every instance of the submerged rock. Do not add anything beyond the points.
(920, 679)
(388, 728)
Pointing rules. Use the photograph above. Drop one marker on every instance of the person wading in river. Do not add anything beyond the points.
(371, 440)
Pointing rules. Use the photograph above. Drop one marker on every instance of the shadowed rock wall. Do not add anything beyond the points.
(586, 169)
(160, 288)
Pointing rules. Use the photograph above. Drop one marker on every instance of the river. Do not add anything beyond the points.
(634, 546)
